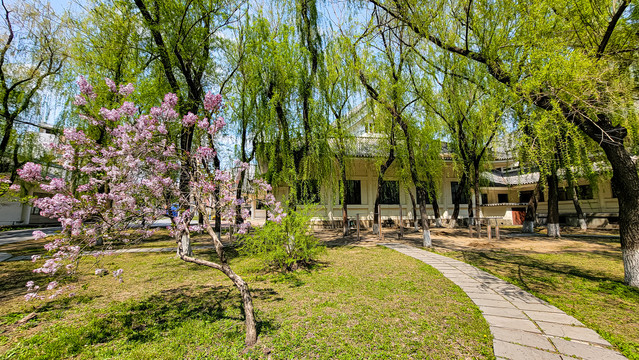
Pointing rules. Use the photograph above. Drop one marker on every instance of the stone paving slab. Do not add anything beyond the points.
(523, 326)
(553, 317)
(522, 338)
(585, 351)
(497, 311)
(572, 332)
(508, 350)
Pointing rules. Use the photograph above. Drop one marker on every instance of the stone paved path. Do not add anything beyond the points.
(523, 326)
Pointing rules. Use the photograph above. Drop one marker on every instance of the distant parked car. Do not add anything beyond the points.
(173, 211)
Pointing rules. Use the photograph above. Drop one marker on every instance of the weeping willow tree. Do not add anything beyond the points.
(32, 53)
(560, 152)
(472, 110)
(570, 58)
(339, 92)
(384, 76)
(292, 142)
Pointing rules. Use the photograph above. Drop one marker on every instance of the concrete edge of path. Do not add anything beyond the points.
(523, 326)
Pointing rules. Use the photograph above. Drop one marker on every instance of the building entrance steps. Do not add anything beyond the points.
(523, 326)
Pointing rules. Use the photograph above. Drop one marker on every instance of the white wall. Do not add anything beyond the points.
(10, 213)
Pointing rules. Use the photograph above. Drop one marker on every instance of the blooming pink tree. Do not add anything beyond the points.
(118, 190)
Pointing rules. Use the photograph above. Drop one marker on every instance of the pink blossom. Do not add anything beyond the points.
(126, 90)
(52, 285)
(118, 274)
(85, 87)
(111, 84)
(79, 100)
(14, 187)
(217, 125)
(113, 115)
(171, 99)
(203, 124)
(56, 185)
(75, 135)
(212, 102)
(189, 119)
(37, 235)
(128, 108)
(30, 172)
(205, 152)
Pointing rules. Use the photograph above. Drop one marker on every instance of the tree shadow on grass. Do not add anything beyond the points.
(544, 268)
(153, 318)
(13, 277)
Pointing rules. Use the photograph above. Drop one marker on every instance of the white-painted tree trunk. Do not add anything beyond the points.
(583, 225)
(427, 240)
(438, 222)
(375, 229)
(553, 230)
(452, 223)
(185, 244)
(528, 227)
(631, 266)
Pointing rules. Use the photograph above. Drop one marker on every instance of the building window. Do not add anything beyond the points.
(419, 198)
(502, 198)
(308, 192)
(562, 194)
(484, 198)
(352, 192)
(389, 194)
(454, 186)
(585, 192)
(369, 127)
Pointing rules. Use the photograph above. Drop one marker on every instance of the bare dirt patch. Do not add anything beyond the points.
(445, 239)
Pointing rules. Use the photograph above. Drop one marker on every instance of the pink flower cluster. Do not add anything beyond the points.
(85, 87)
(30, 172)
(212, 102)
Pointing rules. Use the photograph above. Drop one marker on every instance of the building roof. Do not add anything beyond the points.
(498, 178)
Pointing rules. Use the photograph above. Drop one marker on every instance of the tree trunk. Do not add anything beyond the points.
(247, 302)
(552, 219)
(238, 195)
(412, 200)
(456, 201)
(580, 214)
(438, 218)
(380, 179)
(471, 214)
(422, 194)
(344, 205)
(477, 197)
(6, 136)
(376, 224)
(531, 212)
(625, 180)
(185, 243)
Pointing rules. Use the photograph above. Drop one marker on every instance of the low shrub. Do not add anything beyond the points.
(284, 246)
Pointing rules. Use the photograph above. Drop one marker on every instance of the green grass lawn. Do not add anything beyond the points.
(588, 286)
(357, 303)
